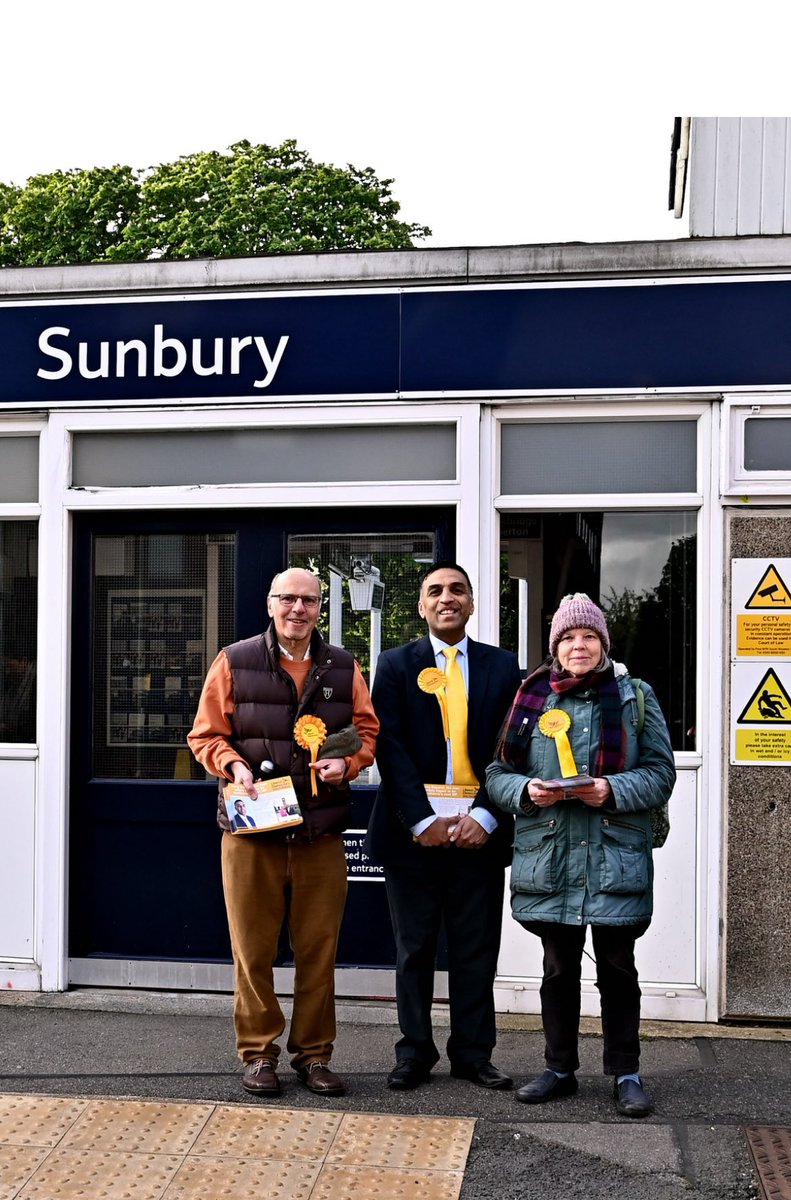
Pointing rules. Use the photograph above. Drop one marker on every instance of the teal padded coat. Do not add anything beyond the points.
(577, 865)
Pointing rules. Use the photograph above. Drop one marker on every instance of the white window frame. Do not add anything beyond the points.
(24, 973)
(738, 483)
(703, 1001)
(58, 501)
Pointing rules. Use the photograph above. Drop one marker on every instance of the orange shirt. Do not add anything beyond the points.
(209, 737)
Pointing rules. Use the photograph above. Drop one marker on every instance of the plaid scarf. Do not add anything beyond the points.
(530, 701)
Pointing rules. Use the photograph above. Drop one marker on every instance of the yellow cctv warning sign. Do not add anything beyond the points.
(761, 606)
(770, 704)
(770, 593)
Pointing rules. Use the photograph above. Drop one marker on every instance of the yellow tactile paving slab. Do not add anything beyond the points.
(17, 1164)
(375, 1183)
(268, 1132)
(37, 1120)
(432, 1143)
(243, 1179)
(142, 1126)
(65, 1148)
(95, 1175)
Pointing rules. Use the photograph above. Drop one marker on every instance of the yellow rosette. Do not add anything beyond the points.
(309, 733)
(433, 681)
(556, 724)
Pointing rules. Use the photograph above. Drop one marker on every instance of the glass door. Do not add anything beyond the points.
(155, 598)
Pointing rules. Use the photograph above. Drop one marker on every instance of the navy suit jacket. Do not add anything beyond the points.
(411, 749)
(244, 822)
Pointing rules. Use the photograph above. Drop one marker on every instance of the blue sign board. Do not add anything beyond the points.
(385, 344)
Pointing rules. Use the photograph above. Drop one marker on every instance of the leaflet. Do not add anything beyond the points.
(275, 806)
(450, 799)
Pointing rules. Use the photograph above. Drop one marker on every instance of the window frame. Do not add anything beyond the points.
(738, 481)
(702, 500)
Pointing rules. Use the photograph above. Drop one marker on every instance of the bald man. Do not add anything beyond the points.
(254, 693)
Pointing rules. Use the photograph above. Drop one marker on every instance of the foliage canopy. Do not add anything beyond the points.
(252, 199)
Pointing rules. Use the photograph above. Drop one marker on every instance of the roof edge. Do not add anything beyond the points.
(420, 267)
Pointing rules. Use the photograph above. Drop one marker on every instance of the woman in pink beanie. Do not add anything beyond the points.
(581, 769)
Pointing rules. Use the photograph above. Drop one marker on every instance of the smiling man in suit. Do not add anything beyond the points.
(442, 869)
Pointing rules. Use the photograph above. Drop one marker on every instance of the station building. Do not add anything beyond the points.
(610, 418)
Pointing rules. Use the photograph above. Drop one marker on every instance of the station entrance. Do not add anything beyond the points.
(155, 597)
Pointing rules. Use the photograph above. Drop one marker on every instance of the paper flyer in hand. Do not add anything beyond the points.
(275, 806)
(450, 799)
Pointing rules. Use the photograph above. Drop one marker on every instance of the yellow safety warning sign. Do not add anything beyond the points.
(760, 609)
(761, 712)
(763, 635)
(770, 704)
(765, 746)
(771, 593)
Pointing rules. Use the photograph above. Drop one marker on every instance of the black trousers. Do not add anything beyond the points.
(616, 979)
(446, 887)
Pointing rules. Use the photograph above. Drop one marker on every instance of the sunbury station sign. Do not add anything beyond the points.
(159, 357)
(652, 334)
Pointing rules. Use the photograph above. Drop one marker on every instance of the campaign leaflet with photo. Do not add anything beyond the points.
(275, 806)
(450, 799)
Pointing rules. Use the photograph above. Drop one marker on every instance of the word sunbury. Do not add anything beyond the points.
(164, 356)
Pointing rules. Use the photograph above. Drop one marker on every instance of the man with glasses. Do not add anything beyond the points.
(255, 692)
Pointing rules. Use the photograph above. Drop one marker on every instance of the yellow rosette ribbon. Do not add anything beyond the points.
(556, 724)
(309, 733)
(433, 680)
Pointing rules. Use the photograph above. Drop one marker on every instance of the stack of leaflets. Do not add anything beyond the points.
(275, 806)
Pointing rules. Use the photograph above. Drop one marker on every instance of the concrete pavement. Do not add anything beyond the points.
(709, 1083)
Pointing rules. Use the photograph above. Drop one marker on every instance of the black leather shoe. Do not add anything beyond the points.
(547, 1087)
(408, 1073)
(484, 1073)
(630, 1099)
(259, 1078)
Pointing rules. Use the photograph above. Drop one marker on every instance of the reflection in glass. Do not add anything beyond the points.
(18, 620)
(163, 607)
(370, 584)
(639, 566)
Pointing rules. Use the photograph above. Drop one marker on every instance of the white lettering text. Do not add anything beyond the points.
(54, 352)
(271, 364)
(159, 356)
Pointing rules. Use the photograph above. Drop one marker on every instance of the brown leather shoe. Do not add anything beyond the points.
(259, 1077)
(318, 1078)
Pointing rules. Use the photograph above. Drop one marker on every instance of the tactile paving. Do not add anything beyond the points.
(94, 1175)
(140, 1126)
(208, 1178)
(431, 1143)
(268, 1133)
(770, 1147)
(37, 1120)
(343, 1183)
(62, 1148)
(17, 1164)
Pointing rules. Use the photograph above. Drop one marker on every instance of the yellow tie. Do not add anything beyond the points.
(457, 719)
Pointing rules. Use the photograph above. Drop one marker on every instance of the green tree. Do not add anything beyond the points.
(252, 199)
(66, 216)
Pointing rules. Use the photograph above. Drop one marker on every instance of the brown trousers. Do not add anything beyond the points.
(266, 883)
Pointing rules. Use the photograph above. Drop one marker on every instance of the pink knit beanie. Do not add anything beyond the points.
(577, 612)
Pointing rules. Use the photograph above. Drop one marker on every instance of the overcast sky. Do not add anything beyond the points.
(499, 122)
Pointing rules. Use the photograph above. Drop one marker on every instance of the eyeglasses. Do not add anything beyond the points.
(288, 599)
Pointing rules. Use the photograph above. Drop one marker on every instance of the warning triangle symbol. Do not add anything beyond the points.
(771, 593)
(770, 704)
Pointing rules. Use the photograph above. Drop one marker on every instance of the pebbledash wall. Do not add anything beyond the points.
(646, 385)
